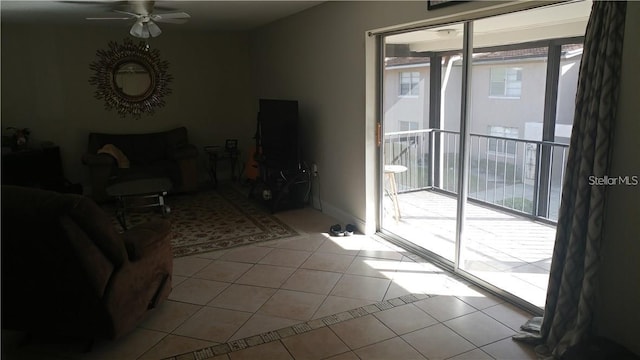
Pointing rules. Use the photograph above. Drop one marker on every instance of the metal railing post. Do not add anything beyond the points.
(536, 182)
(432, 149)
(542, 199)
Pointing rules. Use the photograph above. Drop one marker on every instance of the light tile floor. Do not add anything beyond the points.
(231, 295)
(508, 251)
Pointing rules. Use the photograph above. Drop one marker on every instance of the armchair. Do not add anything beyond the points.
(67, 271)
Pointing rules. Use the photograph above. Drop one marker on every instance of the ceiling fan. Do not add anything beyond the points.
(146, 19)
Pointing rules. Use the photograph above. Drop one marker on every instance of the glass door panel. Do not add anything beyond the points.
(508, 123)
(421, 117)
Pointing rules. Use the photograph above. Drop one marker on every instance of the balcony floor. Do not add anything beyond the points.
(508, 251)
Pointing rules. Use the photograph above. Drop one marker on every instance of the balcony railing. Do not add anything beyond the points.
(520, 175)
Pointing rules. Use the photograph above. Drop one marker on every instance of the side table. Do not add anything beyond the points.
(217, 153)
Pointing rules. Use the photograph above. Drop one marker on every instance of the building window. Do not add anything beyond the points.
(409, 81)
(408, 125)
(502, 147)
(506, 82)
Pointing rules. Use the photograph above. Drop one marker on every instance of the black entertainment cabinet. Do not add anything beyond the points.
(283, 181)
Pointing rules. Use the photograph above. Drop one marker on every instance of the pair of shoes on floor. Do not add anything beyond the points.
(336, 230)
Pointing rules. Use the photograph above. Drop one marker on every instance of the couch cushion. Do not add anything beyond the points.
(177, 138)
(148, 148)
(139, 148)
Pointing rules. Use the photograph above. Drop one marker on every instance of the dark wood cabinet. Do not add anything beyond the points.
(41, 168)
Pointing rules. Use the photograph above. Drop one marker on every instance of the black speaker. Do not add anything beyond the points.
(278, 133)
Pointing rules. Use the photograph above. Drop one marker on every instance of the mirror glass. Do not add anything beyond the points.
(132, 79)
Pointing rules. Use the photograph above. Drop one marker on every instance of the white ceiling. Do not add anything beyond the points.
(210, 15)
(556, 21)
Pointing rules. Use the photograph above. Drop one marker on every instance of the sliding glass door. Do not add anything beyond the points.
(475, 146)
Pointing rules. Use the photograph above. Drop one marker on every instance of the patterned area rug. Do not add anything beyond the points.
(212, 220)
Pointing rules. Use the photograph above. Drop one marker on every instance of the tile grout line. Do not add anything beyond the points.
(334, 285)
(303, 327)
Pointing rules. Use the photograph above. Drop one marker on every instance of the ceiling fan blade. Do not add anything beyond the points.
(171, 18)
(173, 15)
(171, 21)
(154, 30)
(133, 15)
(139, 30)
(108, 18)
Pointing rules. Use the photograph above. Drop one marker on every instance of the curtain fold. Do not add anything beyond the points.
(569, 308)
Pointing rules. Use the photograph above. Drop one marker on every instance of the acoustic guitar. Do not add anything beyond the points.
(252, 169)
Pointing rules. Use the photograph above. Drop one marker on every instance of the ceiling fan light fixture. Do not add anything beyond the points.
(153, 29)
(139, 30)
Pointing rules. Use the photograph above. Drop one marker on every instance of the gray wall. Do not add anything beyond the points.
(45, 72)
(617, 313)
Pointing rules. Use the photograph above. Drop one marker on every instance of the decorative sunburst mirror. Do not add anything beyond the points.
(130, 78)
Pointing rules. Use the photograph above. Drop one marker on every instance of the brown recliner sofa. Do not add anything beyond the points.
(66, 271)
(160, 154)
